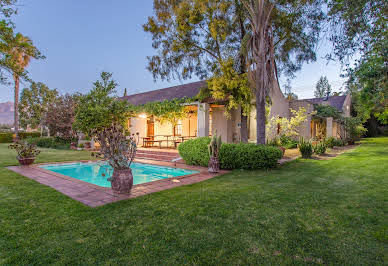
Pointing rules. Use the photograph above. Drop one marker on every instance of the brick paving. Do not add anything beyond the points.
(93, 195)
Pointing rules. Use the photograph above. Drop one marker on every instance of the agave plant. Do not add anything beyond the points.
(214, 146)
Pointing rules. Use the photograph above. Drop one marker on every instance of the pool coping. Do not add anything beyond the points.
(94, 196)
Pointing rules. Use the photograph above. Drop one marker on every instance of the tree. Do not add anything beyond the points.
(360, 28)
(98, 109)
(357, 27)
(34, 104)
(322, 88)
(231, 88)
(20, 50)
(288, 127)
(281, 36)
(197, 37)
(60, 116)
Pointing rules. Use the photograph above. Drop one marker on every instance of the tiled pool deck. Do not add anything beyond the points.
(93, 195)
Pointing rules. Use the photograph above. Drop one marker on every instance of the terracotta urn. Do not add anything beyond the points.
(26, 161)
(214, 165)
(121, 181)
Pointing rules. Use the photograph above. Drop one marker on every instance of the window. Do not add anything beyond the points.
(178, 128)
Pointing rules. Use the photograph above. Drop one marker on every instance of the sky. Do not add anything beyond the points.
(82, 38)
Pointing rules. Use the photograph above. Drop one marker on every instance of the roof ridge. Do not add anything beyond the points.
(140, 93)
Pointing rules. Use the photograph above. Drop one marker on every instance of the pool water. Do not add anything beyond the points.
(96, 173)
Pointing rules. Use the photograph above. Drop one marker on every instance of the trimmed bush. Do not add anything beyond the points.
(319, 148)
(25, 135)
(195, 151)
(305, 148)
(249, 156)
(47, 142)
(6, 137)
(231, 156)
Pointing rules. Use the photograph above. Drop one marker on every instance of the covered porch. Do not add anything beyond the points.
(202, 120)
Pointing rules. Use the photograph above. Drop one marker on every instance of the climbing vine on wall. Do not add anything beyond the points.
(168, 110)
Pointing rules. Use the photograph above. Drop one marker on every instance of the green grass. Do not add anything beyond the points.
(306, 212)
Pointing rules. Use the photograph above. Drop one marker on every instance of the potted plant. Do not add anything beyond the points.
(214, 148)
(26, 152)
(118, 151)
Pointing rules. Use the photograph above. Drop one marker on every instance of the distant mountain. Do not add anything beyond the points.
(6, 113)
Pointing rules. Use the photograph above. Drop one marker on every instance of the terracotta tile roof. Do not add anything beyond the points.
(176, 92)
(335, 101)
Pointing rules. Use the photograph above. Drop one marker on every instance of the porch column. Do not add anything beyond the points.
(329, 127)
(203, 120)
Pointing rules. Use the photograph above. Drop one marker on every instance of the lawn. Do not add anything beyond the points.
(306, 212)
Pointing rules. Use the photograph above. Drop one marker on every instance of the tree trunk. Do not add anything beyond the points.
(244, 119)
(16, 106)
(260, 120)
(244, 127)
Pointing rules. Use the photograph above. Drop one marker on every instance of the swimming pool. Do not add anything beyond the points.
(93, 172)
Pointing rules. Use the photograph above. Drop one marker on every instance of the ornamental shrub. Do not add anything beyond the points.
(48, 142)
(25, 135)
(305, 148)
(195, 151)
(339, 142)
(248, 156)
(330, 142)
(231, 155)
(6, 137)
(319, 148)
(288, 142)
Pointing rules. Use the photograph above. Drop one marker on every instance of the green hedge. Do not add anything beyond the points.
(6, 137)
(25, 135)
(195, 151)
(248, 156)
(47, 142)
(232, 156)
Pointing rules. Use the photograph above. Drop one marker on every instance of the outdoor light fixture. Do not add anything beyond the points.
(143, 116)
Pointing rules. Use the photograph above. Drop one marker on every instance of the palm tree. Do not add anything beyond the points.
(260, 59)
(20, 52)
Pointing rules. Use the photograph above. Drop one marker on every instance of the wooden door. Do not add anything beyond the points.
(150, 127)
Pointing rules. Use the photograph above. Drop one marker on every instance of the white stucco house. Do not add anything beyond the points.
(207, 117)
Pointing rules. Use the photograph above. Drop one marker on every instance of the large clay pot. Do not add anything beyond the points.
(214, 165)
(26, 161)
(121, 181)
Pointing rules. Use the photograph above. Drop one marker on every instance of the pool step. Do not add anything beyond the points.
(156, 155)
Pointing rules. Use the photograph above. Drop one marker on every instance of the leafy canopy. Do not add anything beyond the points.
(34, 104)
(98, 109)
(60, 116)
(190, 37)
(230, 88)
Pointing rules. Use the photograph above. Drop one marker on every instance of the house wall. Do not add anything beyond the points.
(189, 126)
(279, 107)
(138, 125)
(346, 106)
(228, 128)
